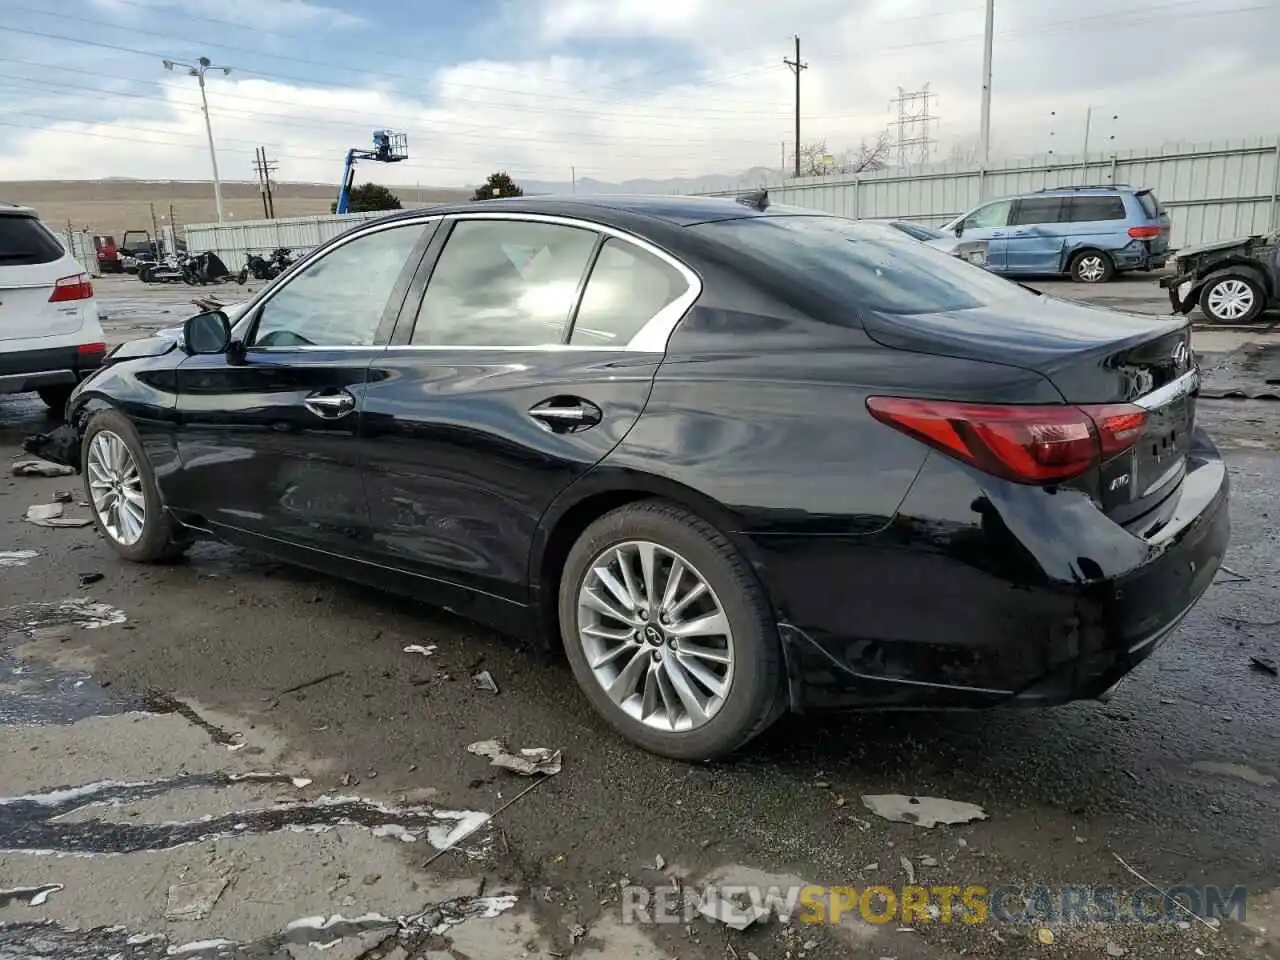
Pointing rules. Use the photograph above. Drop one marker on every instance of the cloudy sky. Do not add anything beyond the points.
(612, 88)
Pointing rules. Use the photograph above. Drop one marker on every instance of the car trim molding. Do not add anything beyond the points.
(1189, 382)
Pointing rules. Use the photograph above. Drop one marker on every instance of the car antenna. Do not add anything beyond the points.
(759, 199)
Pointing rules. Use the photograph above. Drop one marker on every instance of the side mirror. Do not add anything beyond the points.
(207, 333)
(959, 228)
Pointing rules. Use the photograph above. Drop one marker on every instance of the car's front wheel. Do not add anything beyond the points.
(1232, 299)
(121, 488)
(669, 632)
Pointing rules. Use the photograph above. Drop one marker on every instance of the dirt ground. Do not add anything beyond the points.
(231, 758)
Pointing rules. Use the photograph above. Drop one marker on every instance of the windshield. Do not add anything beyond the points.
(868, 266)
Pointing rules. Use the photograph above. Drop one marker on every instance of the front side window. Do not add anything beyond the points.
(628, 288)
(338, 300)
(504, 283)
(992, 215)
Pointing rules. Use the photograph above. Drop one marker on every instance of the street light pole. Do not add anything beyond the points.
(987, 37)
(198, 71)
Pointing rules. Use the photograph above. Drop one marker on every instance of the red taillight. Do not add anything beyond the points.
(1026, 444)
(79, 287)
(1144, 233)
(91, 349)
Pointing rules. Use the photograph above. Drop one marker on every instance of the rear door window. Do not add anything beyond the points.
(1039, 210)
(1091, 209)
(628, 288)
(25, 242)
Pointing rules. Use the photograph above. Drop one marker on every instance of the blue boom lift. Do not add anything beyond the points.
(388, 147)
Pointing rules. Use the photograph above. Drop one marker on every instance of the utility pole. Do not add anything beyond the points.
(573, 179)
(264, 169)
(155, 228)
(796, 66)
(198, 70)
(984, 150)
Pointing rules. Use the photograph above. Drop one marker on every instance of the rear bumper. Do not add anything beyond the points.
(25, 370)
(1014, 606)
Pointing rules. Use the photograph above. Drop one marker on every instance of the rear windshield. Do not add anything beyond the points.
(866, 265)
(1150, 205)
(24, 242)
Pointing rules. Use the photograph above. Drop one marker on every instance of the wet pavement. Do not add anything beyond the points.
(227, 757)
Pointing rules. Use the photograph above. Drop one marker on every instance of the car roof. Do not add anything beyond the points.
(15, 210)
(620, 208)
(1057, 191)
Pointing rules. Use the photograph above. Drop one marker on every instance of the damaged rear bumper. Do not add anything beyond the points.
(60, 446)
(1182, 289)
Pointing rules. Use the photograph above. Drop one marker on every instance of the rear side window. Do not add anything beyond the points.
(1089, 209)
(627, 288)
(1150, 205)
(862, 265)
(24, 242)
(1039, 210)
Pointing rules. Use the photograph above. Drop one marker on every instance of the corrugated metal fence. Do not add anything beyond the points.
(233, 242)
(1212, 191)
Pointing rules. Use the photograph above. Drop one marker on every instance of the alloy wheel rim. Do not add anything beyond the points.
(655, 636)
(1091, 269)
(115, 485)
(1231, 299)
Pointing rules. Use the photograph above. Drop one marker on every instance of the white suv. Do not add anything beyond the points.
(50, 337)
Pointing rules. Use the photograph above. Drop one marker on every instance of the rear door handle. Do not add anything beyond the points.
(566, 414)
(330, 404)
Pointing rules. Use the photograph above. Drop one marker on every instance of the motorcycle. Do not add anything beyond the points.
(205, 268)
(264, 268)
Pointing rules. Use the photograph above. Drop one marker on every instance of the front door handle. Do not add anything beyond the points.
(566, 414)
(330, 405)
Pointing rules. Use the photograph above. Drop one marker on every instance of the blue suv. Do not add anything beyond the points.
(1090, 233)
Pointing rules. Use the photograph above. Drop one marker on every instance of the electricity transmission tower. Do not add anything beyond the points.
(913, 123)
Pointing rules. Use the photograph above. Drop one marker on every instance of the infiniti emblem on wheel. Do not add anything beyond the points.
(653, 635)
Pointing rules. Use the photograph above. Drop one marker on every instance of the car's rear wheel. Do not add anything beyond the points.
(1092, 266)
(122, 492)
(669, 632)
(1232, 299)
(55, 398)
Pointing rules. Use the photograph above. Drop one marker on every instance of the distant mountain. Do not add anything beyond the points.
(756, 176)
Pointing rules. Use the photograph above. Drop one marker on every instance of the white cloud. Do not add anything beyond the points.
(1169, 69)
(263, 14)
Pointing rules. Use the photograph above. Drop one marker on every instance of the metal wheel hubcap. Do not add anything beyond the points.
(116, 488)
(1091, 269)
(1231, 299)
(655, 636)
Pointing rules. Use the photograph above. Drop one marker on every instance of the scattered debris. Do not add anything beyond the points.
(301, 782)
(737, 913)
(1165, 895)
(1237, 770)
(1265, 665)
(41, 468)
(50, 515)
(31, 896)
(871, 867)
(928, 862)
(484, 682)
(576, 933)
(909, 869)
(63, 496)
(1115, 950)
(922, 811)
(419, 648)
(530, 760)
(1239, 577)
(194, 901)
(16, 558)
(88, 578)
(76, 611)
(1044, 935)
(312, 683)
(659, 863)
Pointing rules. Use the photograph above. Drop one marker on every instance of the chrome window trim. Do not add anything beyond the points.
(251, 312)
(1185, 384)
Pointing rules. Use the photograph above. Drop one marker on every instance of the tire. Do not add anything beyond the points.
(160, 538)
(1092, 266)
(55, 398)
(1232, 298)
(754, 695)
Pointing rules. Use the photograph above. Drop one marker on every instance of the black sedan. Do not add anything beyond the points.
(737, 458)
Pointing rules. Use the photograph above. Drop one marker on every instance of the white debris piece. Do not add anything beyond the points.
(529, 761)
(40, 468)
(908, 869)
(32, 896)
(16, 558)
(922, 811)
(716, 906)
(195, 900)
(420, 649)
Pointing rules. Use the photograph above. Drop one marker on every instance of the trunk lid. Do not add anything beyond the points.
(25, 310)
(1092, 357)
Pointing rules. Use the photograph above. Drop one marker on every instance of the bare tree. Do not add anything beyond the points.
(817, 160)
(964, 150)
